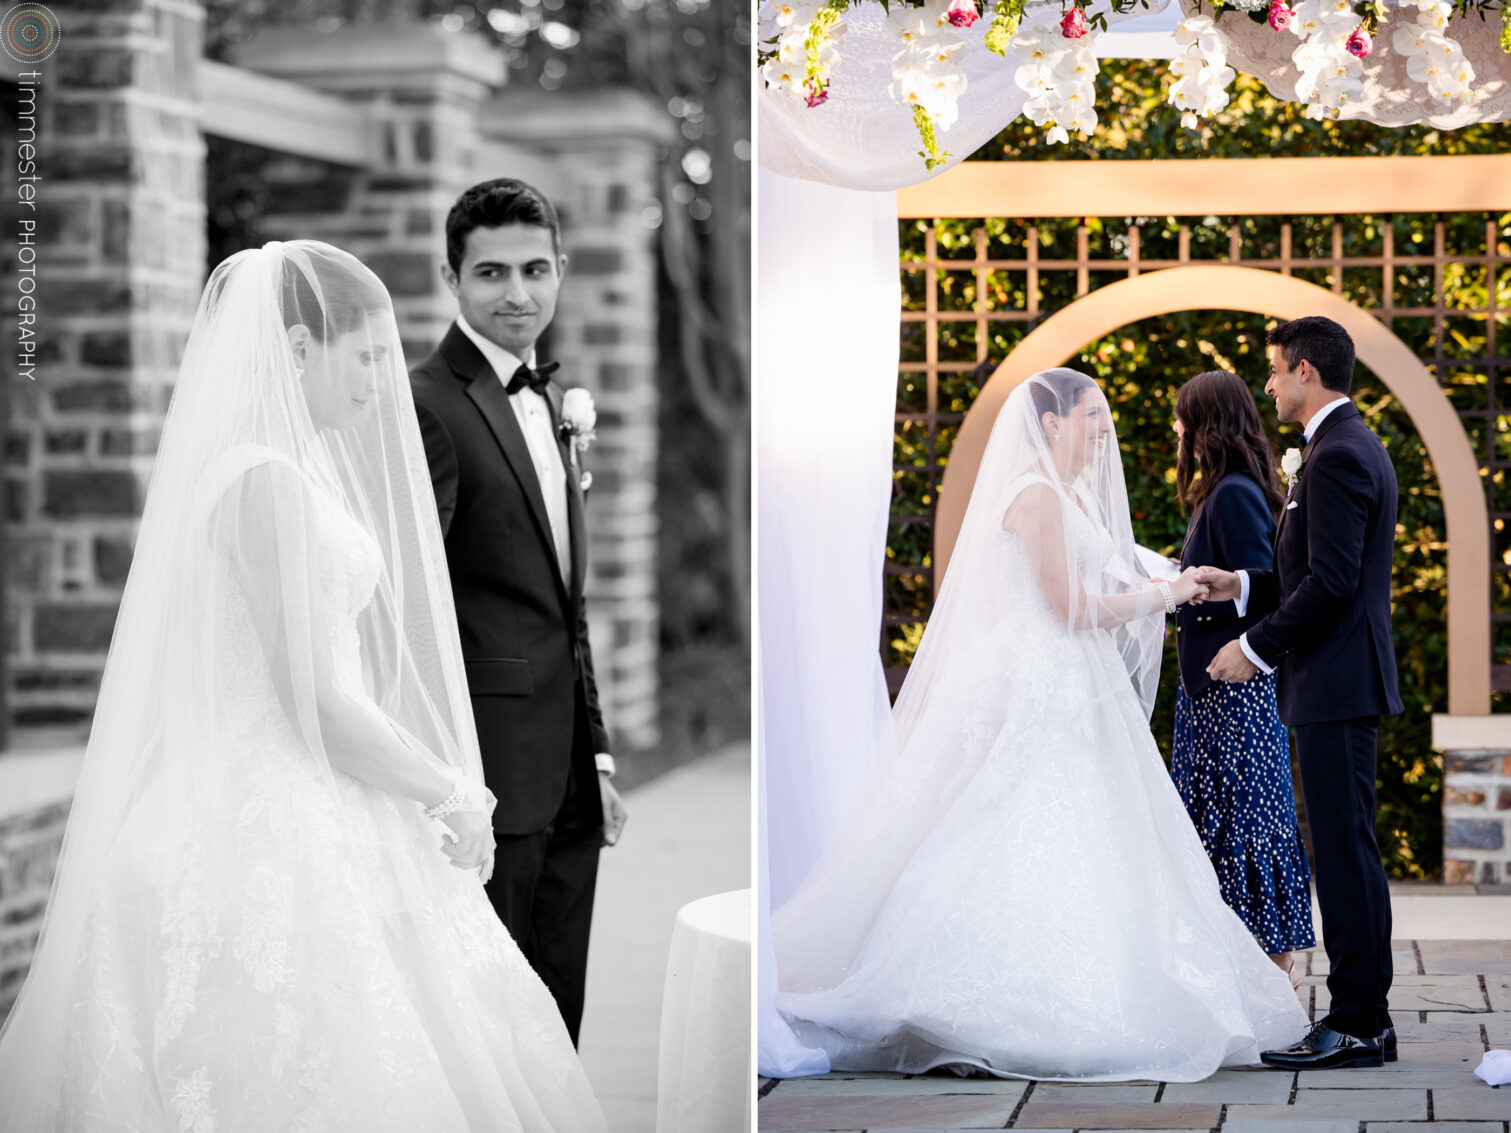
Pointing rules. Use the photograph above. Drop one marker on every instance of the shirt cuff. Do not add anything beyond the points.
(605, 763)
(1242, 601)
(1243, 643)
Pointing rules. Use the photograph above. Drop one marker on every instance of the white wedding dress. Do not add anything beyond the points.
(288, 991)
(254, 927)
(1023, 891)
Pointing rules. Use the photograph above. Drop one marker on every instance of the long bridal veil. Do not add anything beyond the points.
(262, 454)
(1052, 476)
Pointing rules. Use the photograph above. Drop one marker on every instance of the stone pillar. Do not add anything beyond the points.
(611, 145)
(422, 88)
(596, 158)
(120, 264)
(1477, 817)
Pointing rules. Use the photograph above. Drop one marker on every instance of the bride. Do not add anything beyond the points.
(1019, 889)
(257, 922)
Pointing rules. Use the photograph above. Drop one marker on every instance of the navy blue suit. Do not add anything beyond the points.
(1232, 529)
(1326, 626)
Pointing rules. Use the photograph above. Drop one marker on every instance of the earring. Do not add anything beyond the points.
(1057, 438)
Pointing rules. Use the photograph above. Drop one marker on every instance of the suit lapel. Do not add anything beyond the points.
(1342, 413)
(488, 394)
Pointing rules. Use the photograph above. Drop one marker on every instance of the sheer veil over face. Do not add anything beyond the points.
(291, 431)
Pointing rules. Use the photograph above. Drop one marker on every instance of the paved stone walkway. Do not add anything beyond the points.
(688, 836)
(1451, 1001)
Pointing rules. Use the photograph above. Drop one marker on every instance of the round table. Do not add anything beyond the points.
(704, 1076)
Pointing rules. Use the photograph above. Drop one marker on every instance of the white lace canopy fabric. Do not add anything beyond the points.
(1391, 97)
(861, 138)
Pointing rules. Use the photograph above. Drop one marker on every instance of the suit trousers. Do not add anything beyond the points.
(1338, 768)
(542, 889)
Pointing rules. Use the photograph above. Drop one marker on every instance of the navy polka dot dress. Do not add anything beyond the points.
(1231, 763)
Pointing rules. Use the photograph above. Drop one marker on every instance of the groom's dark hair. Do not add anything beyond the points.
(1320, 341)
(493, 204)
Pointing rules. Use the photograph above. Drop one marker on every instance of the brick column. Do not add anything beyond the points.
(611, 144)
(422, 88)
(120, 264)
(1477, 817)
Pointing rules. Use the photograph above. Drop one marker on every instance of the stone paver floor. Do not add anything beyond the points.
(1451, 1001)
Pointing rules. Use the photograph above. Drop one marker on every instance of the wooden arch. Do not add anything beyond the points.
(1229, 288)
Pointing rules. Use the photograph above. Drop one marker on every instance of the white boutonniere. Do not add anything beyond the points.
(577, 420)
(1290, 467)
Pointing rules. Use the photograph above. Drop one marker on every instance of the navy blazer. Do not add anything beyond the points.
(1327, 600)
(1232, 529)
(523, 628)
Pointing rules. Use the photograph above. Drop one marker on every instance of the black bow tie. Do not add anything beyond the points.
(537, 380)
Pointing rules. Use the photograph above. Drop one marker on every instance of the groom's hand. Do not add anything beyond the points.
(1222, 585)
(1231, 664)
(614, 813)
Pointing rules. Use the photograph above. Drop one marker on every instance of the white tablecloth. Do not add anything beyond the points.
(704, 1075)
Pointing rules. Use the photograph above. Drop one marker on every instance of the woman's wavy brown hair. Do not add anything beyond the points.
(1222, 434)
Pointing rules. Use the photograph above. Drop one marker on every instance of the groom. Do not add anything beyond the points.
(1327, 629)
(509, 489)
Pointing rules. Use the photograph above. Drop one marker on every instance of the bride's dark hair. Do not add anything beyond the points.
(1058, 391)
(1222, 434)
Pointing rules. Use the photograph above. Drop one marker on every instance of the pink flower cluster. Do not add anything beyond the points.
(1074, 25)
(962, 13)
(1280, 15)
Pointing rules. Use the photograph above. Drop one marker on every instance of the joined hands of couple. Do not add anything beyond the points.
(1214, 585)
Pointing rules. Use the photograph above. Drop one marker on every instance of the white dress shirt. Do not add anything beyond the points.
(1243, 576)
(534, 416)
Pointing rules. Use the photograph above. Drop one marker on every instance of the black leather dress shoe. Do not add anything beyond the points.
(1326, 1049)
(1388, 1044)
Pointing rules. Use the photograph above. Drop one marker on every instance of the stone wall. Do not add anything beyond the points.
(35, 791)
(610, 144)
(120, 264)
(29, 847)
(1477, 817)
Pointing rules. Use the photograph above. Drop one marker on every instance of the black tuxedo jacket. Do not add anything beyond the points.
(1234, 530)
(524, 631)
(1327, 602)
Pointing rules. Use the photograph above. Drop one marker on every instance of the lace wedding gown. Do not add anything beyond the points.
(1061, 920)
(298, 955)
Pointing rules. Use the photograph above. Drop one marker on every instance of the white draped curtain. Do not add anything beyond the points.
(826, 365)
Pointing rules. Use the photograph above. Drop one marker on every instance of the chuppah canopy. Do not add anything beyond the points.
(875, 102)
(854, 88)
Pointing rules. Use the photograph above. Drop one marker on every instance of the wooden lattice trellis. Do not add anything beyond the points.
(1027, 269)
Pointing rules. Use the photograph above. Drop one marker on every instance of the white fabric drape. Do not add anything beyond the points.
(862, 138)
(826, 365)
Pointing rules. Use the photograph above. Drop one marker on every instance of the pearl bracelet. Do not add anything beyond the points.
(1169, 596)
(450, 803)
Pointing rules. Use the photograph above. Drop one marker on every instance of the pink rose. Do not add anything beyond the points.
(1281, 16)
(1073, 26)
(816, 96)
(1359, 43)
(962, 13)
